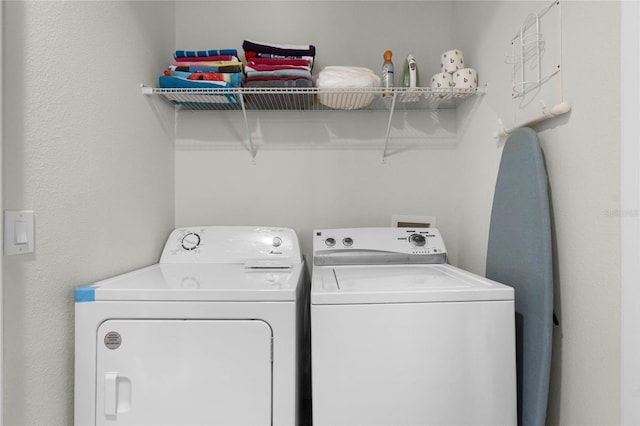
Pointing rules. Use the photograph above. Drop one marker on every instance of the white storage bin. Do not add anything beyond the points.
(344, 87)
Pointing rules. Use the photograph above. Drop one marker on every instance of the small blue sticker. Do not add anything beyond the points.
(85, 294)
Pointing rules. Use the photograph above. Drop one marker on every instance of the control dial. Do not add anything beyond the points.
(191, 241)
(330, 242)
(417, 240)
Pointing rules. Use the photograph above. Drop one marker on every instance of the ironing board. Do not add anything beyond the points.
(519, 254)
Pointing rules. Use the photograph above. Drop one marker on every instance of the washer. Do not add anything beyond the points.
(399, 337)
(211, 335)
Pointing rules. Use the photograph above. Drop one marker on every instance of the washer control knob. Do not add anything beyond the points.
(277, 242)
(347, 242)
(417, 240)
(330, 242)
(191, 241)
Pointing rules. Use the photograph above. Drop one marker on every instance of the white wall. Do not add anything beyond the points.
(349, 32)
(1, 209)
(306, 190)
(582, 154)
(630, 206)
(85, 150)
(298, 179)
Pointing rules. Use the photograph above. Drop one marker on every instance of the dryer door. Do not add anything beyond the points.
(183, 372)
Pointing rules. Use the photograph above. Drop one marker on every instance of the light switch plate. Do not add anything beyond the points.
(18, 232)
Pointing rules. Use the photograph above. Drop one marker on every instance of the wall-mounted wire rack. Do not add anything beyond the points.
(528, 47)
(313, 99)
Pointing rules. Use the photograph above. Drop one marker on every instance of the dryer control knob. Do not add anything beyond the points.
(348, 242)
(191, 241)
(330, 242)
(417, 240)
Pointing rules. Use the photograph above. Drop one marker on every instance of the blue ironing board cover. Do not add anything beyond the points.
(519, 254)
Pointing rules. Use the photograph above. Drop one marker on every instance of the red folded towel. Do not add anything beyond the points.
(208, 58)
(270, 61)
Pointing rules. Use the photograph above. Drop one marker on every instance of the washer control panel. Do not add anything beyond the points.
(378, 245)
(231, 244)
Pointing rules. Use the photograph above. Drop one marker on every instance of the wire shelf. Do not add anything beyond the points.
(313, 99)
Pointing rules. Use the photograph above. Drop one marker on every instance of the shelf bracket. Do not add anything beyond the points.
(386, 138)
(246, 126)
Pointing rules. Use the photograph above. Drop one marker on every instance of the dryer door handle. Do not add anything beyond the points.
(111, 394)
(117, 394)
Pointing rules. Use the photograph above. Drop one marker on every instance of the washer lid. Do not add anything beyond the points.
(198, 282)
(402, 284)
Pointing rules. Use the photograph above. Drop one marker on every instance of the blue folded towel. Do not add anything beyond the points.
(169, 82)
(204, 53)
(181, 80)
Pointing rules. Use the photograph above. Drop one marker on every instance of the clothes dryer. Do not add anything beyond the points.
(399, 337)
(211, 335)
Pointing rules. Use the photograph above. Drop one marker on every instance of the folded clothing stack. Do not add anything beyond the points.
(204, 69)
(280, 66)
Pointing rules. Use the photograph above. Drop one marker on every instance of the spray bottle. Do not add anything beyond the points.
(410, 72)
(410, 80)
(387, 74)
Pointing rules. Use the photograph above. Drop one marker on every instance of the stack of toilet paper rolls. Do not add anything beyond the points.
(453, 78)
